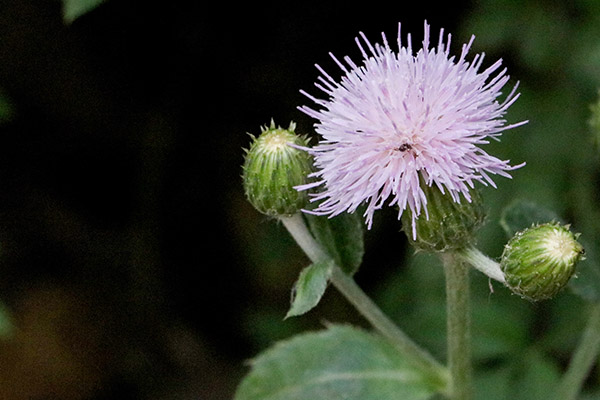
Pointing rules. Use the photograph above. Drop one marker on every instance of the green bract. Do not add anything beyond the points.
(450, 225)
(539, 261)
(273, 168)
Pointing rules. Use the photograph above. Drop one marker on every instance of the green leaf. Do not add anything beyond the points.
(493, 384)
(73, 9)
(586, 282)
(521, 214)
(310, 287)
(529, 376)
(590, 396)
(7, 110)
(342, 238)
(535, 376)
(338, 363)
(6, 324)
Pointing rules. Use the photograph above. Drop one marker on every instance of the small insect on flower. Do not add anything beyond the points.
(401, 120)
(404, 147)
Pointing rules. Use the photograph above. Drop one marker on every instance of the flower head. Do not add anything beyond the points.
(273, 167)
(402, 120)
(539, 261)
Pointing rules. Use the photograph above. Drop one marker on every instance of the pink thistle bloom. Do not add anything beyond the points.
(400, 121)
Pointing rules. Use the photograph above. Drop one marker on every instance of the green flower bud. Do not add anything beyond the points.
(272, 168)
(450, 226)
(539, 261)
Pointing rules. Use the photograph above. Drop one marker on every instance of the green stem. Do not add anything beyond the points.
(483, 263)
(363, 303)
(299, 231)
(458, 326)
(583, 358)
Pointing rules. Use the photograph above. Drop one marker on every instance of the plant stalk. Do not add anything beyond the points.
(483, 263)
(583, 358)
(346, 285)
(458, 327)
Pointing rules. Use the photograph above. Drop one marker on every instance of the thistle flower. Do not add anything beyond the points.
(399, 121)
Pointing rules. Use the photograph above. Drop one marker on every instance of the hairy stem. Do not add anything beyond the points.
(363, 303)
(583, 358)
(481, 262)
(458, 326)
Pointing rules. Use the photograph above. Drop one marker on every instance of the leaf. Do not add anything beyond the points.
(310, 287)
(590, 396)
(586, 281)
(338, 363)
(6, 324)
(342, 238)
(530, 376)
(500, 326)
(73, 9)
(7, 110)
(535, 376)
(521, 214)
(493, 383)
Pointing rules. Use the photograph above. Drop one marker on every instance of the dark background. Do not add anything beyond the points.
(131, 264)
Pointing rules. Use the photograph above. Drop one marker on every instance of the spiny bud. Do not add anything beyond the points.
(273, 167)
(539, 261)
(447, 225)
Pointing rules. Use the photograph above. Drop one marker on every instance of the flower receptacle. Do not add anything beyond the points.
(446, 225)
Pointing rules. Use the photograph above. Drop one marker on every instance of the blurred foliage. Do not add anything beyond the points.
(6, 323)
(73, 9)
(7, 110)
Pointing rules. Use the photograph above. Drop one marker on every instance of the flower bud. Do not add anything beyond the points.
(272, 167)
(447, 225)
(539, 261)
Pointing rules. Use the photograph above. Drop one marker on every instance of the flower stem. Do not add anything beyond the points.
(363, 303)
(583, 358)
(483, 263)
(458, 326)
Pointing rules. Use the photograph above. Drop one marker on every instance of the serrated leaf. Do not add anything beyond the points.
(339, 363)
(73, 9)
(310, 287)
(341, 237)
(521, 214)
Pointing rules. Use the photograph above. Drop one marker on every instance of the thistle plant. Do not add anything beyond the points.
(408, 129)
